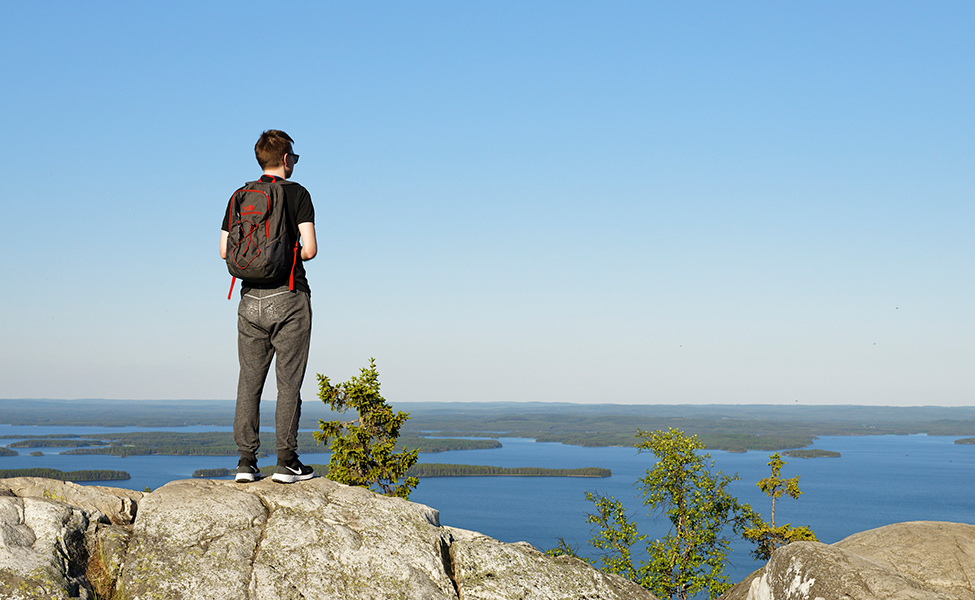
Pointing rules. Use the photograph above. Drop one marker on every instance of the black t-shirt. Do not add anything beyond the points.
(299, 209)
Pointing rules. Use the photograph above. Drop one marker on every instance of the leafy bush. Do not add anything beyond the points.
(684, 487)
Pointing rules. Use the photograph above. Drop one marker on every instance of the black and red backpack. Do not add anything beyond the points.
(259, 248)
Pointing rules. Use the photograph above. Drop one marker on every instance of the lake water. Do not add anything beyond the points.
(878, 480)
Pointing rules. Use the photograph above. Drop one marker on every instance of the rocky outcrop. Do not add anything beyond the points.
(921, 560)
(116, 504)
(200, 539)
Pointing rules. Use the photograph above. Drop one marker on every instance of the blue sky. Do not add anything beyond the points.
(761, 202)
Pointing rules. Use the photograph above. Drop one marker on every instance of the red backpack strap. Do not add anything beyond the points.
(294, 262)
(231, 213)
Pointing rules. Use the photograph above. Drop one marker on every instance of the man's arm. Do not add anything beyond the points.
(224, 235)
(309, 246)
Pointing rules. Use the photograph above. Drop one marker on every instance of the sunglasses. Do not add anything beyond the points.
(294, 155)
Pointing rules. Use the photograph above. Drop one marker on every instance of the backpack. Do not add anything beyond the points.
(259, 249)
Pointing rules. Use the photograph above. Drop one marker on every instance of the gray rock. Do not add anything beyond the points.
(116, 505)
(201, 540)
(326, 540)
(942, 555)
(193, 539)
(43, 551)
(486, 569)
(906, 561)
(204, 540)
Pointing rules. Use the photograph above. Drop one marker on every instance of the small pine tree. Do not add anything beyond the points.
(362, 449)
(766, 535)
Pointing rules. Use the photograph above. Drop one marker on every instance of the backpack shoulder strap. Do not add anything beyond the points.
(259, 182)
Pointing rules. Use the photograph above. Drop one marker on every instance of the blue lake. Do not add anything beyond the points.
(878, 480)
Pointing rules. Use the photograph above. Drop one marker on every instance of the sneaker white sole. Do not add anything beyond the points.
(289, 478)
(246, 477)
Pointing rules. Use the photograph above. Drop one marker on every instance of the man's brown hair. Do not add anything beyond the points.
(271, 148)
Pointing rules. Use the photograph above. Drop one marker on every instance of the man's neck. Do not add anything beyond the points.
(278, 172)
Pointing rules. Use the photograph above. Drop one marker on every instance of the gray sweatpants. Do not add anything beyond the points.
(275, 324)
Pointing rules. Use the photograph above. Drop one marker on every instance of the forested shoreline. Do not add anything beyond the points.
(812, 453)
(733, 428)
(86, 475)
(211, 443)
(422, 470)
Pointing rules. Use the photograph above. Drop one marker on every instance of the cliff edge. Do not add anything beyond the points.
(204, 539)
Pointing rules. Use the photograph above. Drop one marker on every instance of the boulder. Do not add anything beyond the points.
(201, 539)
(116, 505)
(907, 561)
(941, 555)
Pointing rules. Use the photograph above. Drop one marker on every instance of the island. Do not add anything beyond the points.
(445, 470)
(66, 475)
(211, 473)
(731, 428)
(56, 442)
(813, 453)
(211, 443)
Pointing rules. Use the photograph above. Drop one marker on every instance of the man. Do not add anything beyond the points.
(274, 321)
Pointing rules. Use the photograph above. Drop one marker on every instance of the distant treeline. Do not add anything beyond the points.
(66, 475)
(168, 443)
(55, 443)
(443, 470)
(208, 473)
(719, 427)
(210, 443)
(425, 445)
(714, 440)
(814, 453)
(143, 413)
(47, 436)
(965, 441)
(734, 428)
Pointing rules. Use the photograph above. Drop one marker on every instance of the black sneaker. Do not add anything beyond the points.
(247, 471)
(292, 471)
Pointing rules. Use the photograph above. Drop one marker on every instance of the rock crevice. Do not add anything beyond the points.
(443, 548)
